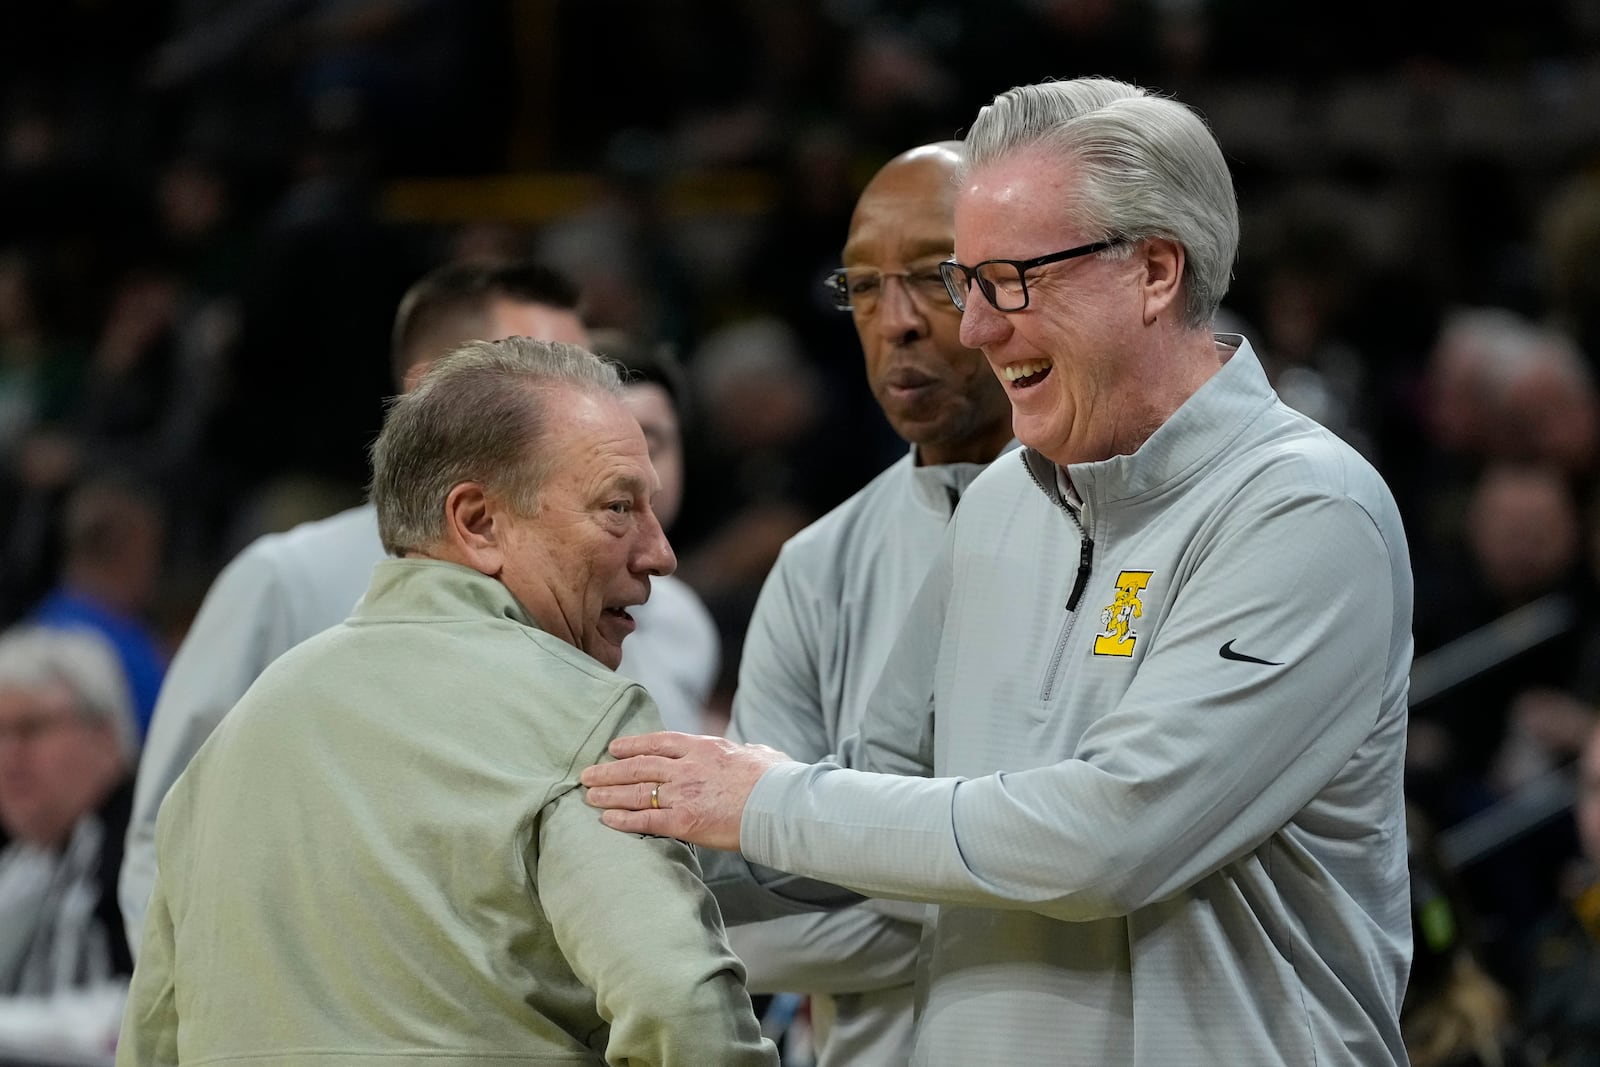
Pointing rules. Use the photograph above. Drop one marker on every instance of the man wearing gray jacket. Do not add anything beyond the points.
(832, 605)
(1146, 722)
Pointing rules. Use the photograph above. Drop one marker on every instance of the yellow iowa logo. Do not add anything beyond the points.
(1117, 635)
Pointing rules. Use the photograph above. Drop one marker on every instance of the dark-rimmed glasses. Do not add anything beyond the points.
(1003, 282)
(860, 288)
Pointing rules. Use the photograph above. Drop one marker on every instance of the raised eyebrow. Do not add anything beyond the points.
(633, 485)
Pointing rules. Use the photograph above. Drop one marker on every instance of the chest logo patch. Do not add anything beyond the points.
(1117, 635)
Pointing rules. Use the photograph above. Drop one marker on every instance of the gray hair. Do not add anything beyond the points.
(477, 416)
(33, 657)
(1149, 166)
(1503, 345)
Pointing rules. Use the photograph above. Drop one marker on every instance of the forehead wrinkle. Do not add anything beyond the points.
(625, 476)
(910, 249)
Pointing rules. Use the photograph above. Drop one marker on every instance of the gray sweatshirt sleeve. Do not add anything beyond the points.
(780, 702)
(779, 698)
(1198, 764)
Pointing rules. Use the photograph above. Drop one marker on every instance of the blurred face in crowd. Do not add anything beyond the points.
(937, 393)
(56, 766)
(652, 405)
(1523, 528)
(1069, 359)
(588, 551)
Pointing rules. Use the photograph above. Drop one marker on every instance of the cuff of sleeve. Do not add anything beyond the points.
(761, 822)
(746, 890)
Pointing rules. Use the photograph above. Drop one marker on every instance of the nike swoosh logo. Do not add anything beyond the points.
(1227, 652)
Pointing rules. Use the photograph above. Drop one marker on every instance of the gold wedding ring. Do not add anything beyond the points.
(655, 795)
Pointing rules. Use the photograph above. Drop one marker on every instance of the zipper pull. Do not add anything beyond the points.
(1085, 558)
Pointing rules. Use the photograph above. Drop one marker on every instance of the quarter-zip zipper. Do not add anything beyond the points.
(1080, 582)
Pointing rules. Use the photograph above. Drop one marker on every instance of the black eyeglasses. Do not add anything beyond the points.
(859, 288)
(1003, 282)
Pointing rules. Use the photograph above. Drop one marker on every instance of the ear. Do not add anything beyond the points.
(1162, 285)
(474, 524)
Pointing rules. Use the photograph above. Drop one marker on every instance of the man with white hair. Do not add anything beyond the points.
(67, 748)
(1142, 738)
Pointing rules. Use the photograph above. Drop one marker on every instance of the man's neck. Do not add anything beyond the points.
(982, 447)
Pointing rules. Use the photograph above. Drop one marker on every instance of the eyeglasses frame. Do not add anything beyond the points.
(954, 273)
(835, 285)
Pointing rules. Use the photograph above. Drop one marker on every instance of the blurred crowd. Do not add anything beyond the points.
(201, 252)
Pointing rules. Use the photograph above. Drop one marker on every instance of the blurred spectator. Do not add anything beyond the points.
(1454, 1014)
(424, 81)
(41, 383)
(1304, 307)
(1562, 1002)
(113, 535)
(1551, 410)
(675, 647)
(67, 748)
(1570, 240)
(323, 281)
(1555, 722)
(1522, 532)
(1474, 744)
(39, 374)
(1496, 387)
(769, 460)
(603, 250)
(1523, 541)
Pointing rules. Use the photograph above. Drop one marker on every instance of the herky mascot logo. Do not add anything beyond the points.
(1117, 635)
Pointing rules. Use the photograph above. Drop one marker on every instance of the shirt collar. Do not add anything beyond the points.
(938, 487)
(437, 589)
(1200, 428)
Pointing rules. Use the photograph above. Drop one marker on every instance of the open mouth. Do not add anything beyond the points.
(619, 614)
(1028, 374)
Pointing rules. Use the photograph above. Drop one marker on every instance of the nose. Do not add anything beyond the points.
(981, 324)
(654, 555)
(898, 317)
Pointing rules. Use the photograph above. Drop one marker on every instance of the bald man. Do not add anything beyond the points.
(833, 604)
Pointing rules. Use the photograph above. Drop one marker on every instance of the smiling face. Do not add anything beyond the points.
(588, 553)
(936, 392)
(1076, 361)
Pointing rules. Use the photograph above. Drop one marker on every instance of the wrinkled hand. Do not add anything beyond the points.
(701, 784)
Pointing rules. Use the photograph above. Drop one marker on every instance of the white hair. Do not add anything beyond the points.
(32, 657)
(1148, 167)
